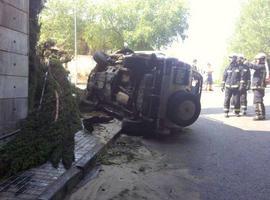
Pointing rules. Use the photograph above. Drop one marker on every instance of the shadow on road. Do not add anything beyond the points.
(219, 110)
(227, 162)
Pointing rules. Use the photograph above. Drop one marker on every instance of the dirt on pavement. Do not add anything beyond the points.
(131, 171)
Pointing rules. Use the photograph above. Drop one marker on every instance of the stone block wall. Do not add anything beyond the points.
(14, 48)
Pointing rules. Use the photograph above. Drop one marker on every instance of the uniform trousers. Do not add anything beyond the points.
(232, 93)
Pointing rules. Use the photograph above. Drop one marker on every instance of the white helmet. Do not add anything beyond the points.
(260, 56)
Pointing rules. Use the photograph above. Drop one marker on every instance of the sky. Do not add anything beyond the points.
(211, 24)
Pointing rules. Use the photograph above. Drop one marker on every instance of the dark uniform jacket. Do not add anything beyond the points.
(232, 76)
(245, 75)
(259, 76)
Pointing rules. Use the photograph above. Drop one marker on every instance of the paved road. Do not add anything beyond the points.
(214, 159)
(231, 157)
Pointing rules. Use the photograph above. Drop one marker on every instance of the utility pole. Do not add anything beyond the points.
(75, 40)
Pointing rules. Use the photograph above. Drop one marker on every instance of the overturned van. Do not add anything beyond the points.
(147, 90)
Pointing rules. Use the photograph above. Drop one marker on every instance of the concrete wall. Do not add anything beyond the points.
(14, 46)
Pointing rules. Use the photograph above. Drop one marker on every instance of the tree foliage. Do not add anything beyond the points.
(106, 25)
(42, 137)
(252, 33)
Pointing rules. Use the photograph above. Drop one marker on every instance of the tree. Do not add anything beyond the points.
(57, 22)
(106, 25)
(143, 24)
(252, 33)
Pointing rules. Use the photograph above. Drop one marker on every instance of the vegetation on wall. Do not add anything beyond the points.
(48, 132)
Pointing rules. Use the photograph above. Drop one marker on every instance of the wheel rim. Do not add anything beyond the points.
(186, 110)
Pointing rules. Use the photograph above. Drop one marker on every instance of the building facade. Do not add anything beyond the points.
(14, 64)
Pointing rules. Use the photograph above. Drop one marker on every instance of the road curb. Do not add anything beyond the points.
(87, 161)
(63, 185)
(58, 189)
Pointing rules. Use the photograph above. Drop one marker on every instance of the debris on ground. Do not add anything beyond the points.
(131, 171)
(89, 122)
(125, 149)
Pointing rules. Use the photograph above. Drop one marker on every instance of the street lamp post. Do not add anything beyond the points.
(75, 39)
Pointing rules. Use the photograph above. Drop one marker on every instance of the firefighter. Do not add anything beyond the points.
(231, 83)
(258, 84)
(244, 83)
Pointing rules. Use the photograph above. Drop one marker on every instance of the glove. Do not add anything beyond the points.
(222, 87)
(242, 87)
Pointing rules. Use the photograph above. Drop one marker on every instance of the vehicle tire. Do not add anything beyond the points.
(183, 108)
(101, 58)
(135, 127)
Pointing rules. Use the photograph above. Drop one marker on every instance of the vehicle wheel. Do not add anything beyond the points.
(135, 127)
(101, 58)
(183, 108)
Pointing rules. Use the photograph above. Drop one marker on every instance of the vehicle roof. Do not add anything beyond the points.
(161, 55)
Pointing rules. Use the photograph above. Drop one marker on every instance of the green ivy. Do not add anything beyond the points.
(42, 138)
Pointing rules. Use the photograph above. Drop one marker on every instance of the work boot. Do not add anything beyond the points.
(258, 118)
(262, 110)
(244, 113)
(237, 112)
(257, 109)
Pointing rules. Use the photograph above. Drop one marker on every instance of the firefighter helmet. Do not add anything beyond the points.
(233, 57)
(260, 56)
